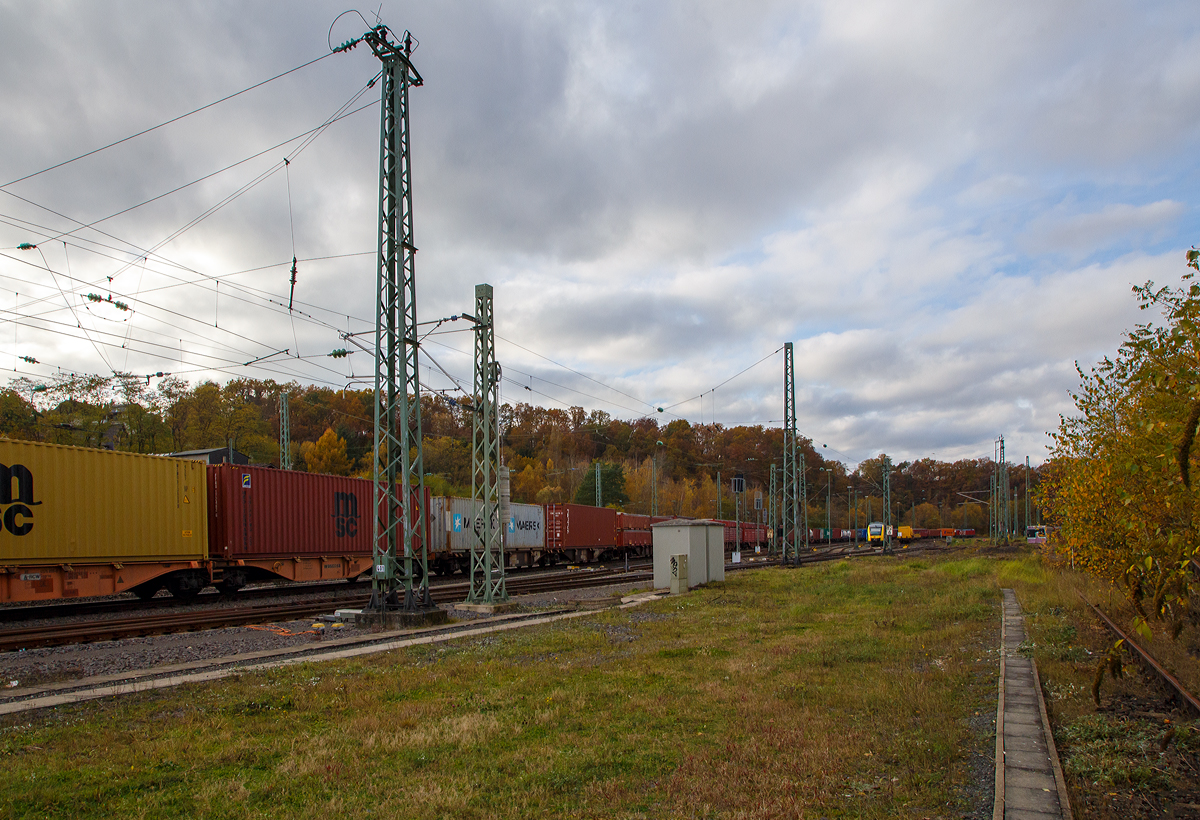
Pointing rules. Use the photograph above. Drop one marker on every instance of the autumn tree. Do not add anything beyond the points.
(327, 455)
(1119, 484)
(18, 417)
(449, 458)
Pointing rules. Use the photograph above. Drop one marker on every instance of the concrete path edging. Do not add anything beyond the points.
(1029, 778)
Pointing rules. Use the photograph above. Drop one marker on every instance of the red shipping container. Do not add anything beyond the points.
(634, 530)
(569, 526)
(260, 512)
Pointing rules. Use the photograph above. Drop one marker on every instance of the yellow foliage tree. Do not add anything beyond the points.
(327, 455)
(1118, 484)
(526, 484)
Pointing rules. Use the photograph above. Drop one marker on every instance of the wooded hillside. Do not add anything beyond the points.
(551, 452)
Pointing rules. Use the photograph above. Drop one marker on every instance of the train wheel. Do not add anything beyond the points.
(232, 582)
(146, 591)
(185, 586)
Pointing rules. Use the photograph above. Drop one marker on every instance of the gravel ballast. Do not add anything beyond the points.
(32, 667)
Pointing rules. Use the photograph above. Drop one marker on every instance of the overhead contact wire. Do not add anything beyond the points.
(727, 381)
(577, 373)
(93, 224)
(164, 124)
(150, 307)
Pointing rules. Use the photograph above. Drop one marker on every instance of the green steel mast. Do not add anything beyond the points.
(791, 470)
(401, 555)
(487, 548)
(285, 433)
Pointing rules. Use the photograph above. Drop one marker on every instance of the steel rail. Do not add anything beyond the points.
(1186, 697)
(448, 592)
(116, 628)
(14, 614)
(17, 613)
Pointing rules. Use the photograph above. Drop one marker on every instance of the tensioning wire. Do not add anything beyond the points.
(163, 124)
(94, 223)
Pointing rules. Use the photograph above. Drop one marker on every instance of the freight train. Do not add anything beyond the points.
(80, 522)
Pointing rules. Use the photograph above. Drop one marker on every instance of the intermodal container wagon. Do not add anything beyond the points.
(526, 526)
(460, 524)
(580, 532)
(463, 524)
(79, 521)
(455, 527)
(268, 523)
(633, 530)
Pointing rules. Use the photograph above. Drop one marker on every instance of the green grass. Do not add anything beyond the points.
(839, 690)
(1112, 752)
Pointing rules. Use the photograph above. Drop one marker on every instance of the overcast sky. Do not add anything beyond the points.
(943, 204)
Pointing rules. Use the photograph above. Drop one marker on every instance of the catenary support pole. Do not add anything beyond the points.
(791, 471)
(654, 484)
(401, 577)
(772, 509)
(285, 433)
(487, 547)
(887, 506)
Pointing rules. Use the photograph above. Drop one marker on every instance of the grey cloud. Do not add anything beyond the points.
(660, 194)
(1087, 233)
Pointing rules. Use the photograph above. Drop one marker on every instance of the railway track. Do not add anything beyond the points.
(349, 596)
(17, 614)
(1148, 661)
(107, 629)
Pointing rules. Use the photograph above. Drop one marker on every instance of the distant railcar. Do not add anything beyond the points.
(575, 532)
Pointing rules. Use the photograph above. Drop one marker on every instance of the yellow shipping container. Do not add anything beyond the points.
(74, 505)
